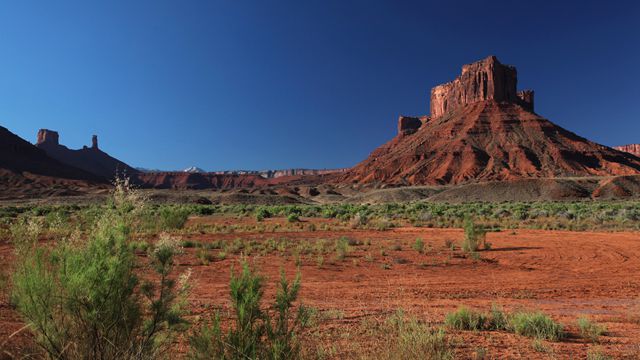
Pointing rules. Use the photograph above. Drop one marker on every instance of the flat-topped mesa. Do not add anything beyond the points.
(408, 125)
(46, 136)
(631, 149)
(486, 79)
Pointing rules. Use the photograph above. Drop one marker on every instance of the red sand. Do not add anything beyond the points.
(564, 274)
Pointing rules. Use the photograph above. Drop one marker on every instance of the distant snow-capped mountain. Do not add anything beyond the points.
(193, 169)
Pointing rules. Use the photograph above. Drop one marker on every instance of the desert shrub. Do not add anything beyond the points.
(342, 248)
(204, 255)
(419, 246)
(538, 346)
(189, 244)
(359, 220)
(465, 319)
(590, 330)
(497, 319)
(293, 218)
(255, 334)
(262, 213)
(83, 300)
(407, 338)
(474, 236)
(536, 325)
(597, 354)
(172, 217)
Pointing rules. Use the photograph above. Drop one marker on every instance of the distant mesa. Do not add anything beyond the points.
(90, 159)
(631, 149)
(481, 128)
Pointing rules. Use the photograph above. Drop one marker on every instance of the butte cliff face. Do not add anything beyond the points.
(482, 129)
(26, 171)
(90, 159)
(631, 149)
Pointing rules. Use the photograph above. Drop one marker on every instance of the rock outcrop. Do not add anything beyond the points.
(483, 80)
(631, 149)
(18, 155)
(408, 125)
(90, 159)
(482, 129)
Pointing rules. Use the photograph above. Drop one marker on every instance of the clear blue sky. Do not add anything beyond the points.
(259, 84)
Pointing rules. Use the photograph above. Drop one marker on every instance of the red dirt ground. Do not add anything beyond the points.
(564, 274)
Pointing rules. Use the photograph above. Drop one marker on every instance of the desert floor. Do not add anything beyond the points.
(564, 274)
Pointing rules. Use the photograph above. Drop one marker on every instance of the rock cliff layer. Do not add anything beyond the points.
(631, 149)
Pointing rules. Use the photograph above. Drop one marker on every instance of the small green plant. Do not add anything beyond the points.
(474, 236)
(342, 248)
(320, 260)
(419, 246)
(536, 325)
(407, 338)
(189, 244)
(204, 256)
(465, 319)
(221, 255)
(262, 214)
(255, 333)
(590, 330)
(172, 217)
(539, 346)
(497, 319)
(292, 218)
(597, 354)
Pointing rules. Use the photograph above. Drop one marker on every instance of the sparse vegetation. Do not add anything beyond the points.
(531, 324)
(465, 319)
(255, 334)
(81, 298)
(419, 246)
(407, 338)
(597, 354)
(474, 236)
(536, 325)
(589, 329)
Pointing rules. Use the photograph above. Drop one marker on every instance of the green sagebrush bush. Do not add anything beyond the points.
(474, 236)
(82, 299)
(255, 334)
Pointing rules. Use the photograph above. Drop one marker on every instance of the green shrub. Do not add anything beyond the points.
(173, 217)
(407, 338)
(590, 330)
(597, 354)
(204, 256)
(474, 236)
(536, 325)
(293, 218)
(465, 319)
(497, 319)
(262, 214)
(255, 334)
(538, 346)
(342, 248)
(419, 246)
(83, 299)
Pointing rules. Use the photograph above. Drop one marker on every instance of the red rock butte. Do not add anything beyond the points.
(482, 129)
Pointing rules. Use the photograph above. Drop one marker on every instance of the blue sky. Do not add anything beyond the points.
(276, 84)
